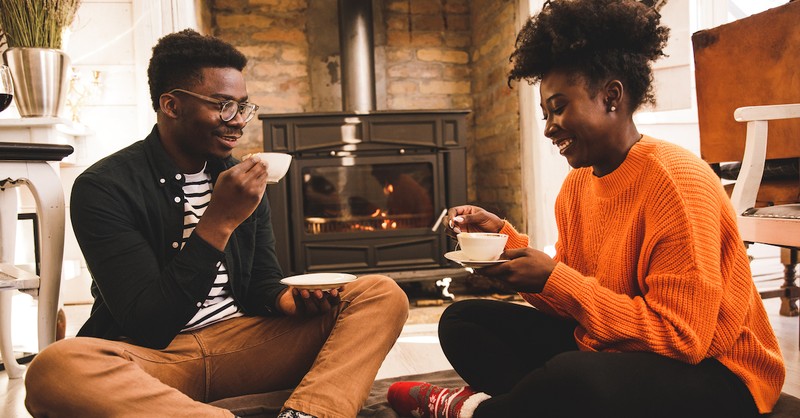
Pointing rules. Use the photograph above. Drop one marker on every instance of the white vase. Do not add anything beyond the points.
(40, 80)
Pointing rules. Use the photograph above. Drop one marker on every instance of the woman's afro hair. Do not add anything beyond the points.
(595, 39)
(178, 59)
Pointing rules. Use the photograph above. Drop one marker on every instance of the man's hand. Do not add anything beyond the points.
(308, 302)
(236, 195)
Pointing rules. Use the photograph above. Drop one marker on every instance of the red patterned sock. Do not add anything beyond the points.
(420, 399)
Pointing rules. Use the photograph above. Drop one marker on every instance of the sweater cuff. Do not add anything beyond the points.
(515, 239)
(563, 285)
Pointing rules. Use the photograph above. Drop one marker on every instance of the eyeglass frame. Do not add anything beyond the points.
(222, 104)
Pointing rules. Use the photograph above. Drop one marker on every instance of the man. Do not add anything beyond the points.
(188, 305)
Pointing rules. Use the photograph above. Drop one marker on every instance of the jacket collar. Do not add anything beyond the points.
(164, 168)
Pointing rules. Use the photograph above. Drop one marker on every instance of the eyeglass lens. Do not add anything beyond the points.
(230, 108)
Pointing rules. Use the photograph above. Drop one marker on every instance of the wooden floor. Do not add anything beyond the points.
(416, 351)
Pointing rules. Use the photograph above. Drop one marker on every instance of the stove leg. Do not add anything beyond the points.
(443, 286)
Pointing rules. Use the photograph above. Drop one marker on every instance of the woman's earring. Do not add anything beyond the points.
(613, 108)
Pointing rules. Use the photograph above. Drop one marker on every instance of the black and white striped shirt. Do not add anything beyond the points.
(219, 304)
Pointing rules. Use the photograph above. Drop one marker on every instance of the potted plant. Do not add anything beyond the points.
(32, 31)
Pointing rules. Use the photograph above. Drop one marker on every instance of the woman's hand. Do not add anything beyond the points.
(472, 219)
(306, 302)
(526, 271)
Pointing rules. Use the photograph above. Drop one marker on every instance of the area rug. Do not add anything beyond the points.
(268, 405)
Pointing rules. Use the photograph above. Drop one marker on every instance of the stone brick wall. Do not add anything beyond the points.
(427, 54)
(494, 173)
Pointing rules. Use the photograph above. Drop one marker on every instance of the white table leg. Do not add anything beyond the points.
(8, 232)
(46, 189)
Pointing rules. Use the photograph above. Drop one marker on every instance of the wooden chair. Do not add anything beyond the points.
(773, 225)
(750, 63)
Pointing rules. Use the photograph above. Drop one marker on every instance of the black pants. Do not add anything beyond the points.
(531, 366)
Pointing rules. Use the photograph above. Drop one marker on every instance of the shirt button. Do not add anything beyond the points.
(199, 304)
(177, 177)
(175, 245)
(177, 199)
(162, 181)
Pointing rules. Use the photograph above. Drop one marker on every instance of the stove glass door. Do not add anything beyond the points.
(370, 197)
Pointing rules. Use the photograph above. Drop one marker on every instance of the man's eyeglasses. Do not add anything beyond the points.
(227, 108)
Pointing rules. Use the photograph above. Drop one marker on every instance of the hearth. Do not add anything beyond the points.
(365, 189)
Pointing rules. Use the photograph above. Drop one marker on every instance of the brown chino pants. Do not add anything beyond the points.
(331, 360)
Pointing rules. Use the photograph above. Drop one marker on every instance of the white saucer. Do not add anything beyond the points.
(321, 281)
(460, 258)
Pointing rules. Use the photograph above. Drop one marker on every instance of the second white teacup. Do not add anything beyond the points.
(482, 246)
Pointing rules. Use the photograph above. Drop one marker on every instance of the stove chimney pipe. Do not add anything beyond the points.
(357, 57)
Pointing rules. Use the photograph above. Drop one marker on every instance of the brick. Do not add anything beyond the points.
(457, 6)
(453, 56)
(238, 21)
(425, 7)
(457, 40)
(284, 104)
(261, 52)
(413, 39)
(398, 6)
(414, 70)
(257, 87)
(294, 86)
(288, 35)
(451, 71)
(490, 44)
(228, 5)
(445, 87)
(427, 23)
(294, 54)
(458, 23)
(396, 54)
(273, 69)
(417, 102)
(402, 87)
(397, 22)
(462, 102)
(281, 5)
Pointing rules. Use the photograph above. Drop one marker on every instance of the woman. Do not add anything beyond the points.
(648, 308)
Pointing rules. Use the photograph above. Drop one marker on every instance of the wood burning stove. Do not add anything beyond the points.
(365, 189)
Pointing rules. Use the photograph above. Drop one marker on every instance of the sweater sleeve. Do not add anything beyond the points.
(515, 239)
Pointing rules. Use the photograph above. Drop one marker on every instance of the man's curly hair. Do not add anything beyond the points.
(178, 59)
(595, 39)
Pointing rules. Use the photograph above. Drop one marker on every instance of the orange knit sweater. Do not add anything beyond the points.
(650, 259)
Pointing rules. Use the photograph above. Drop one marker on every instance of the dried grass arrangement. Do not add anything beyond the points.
(35, 23)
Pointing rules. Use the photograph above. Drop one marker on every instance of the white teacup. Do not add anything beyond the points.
(277, 164)
(482, 246)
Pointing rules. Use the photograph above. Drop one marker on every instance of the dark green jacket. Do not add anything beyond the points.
(127, 213)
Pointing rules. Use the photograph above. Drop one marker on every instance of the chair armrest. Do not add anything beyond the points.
(770, 112)
(755, 150)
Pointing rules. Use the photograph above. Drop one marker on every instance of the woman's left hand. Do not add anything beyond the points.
(526, 271)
